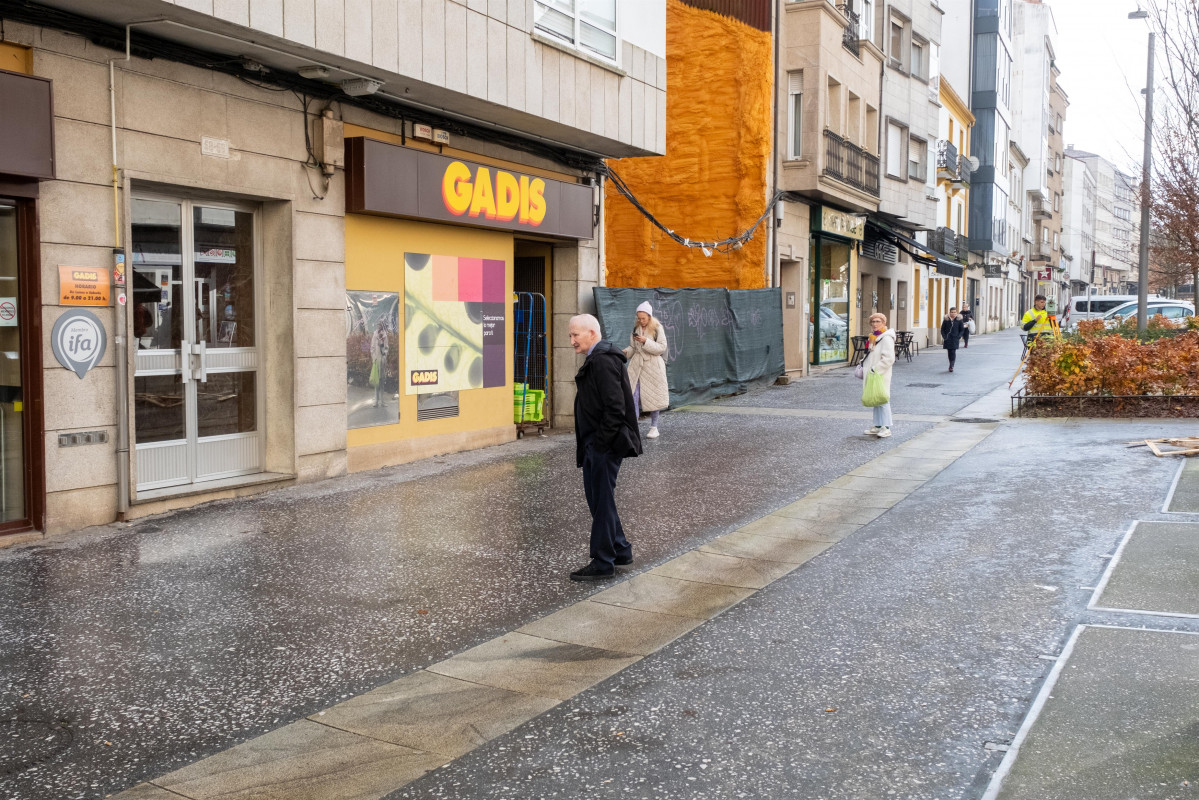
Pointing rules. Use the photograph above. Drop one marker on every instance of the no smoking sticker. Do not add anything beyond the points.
(8, 312)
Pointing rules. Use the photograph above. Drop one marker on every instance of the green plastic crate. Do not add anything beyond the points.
(534, 402)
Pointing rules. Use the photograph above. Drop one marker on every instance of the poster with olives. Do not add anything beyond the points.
(454, 323)
(372, 358)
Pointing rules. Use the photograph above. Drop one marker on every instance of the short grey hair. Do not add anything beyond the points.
(587, 322)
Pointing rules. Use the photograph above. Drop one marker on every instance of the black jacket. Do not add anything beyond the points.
(951, 332)
(604, 415)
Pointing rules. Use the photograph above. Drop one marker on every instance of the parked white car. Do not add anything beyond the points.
(1174, 311)
(1082, 307)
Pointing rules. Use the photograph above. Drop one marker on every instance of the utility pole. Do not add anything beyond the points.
(1146, 169)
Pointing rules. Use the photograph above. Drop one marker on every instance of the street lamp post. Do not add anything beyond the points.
(1146, 168)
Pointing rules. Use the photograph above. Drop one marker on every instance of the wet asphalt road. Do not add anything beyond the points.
(127, 651)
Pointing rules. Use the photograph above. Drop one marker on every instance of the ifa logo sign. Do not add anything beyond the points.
(78, 340)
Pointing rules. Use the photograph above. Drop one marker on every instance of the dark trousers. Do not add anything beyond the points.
(599, 484)
(953, 356)
(965, 336)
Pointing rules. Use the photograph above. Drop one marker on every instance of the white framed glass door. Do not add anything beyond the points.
(193, 299)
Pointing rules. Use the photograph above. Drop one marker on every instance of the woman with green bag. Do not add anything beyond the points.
(876, 369)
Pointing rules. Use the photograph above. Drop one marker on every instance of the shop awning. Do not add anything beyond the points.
(920, 252)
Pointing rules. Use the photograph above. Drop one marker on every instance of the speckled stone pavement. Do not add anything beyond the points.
(876, 614)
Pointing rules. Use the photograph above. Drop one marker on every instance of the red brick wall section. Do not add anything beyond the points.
(711, 183)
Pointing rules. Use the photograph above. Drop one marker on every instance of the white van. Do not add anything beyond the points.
(1096, 306)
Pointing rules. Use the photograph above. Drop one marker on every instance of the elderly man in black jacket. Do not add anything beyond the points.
(605, 434)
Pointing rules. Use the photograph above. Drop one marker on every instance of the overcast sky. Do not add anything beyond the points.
(1102, 56)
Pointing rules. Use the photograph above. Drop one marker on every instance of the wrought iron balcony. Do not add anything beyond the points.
(851, 36)
(850, 164)
(951, 165)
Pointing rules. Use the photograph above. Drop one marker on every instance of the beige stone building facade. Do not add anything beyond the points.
(265, 326)
(828, 153)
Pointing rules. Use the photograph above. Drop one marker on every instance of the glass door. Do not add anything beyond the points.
(828, 325)
(193, 300)
(12, 424)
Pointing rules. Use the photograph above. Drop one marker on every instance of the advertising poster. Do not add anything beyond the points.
(455, 318)
(372, 359)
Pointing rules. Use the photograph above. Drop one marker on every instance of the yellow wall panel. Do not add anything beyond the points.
(711, 184)
(375, 248)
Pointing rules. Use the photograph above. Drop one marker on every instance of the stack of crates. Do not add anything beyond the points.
(527, 404)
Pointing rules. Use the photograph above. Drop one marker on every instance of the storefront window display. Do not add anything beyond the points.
(828, 324)
(372, 358)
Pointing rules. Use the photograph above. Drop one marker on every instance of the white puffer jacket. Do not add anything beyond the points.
(881, 357)
(647, 364)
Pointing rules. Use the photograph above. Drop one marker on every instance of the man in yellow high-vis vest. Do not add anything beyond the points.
(1036, 320)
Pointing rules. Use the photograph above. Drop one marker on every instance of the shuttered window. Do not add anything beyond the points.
(795, 114)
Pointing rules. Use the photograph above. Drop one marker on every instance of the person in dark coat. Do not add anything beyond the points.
(605, 434)
(951, 335)
(966, 315)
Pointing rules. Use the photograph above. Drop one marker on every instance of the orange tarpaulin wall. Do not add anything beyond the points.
(711, 184)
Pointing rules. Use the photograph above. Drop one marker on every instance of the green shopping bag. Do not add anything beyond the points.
(874, 392)
(375, 374)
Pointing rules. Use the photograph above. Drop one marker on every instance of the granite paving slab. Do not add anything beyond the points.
(767, 548)
(523, 663)
(792, 528)
(1155, 571)
(651, 592)
(829, 512)
(609, 627)
(302, 761)
(434, 713)
(1185, 497)
(1113, 723)
(749, 573)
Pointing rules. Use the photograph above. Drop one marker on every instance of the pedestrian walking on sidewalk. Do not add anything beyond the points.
(951, 335)
(967, 325)
(647, 367)
(605, 434)
(880, 357)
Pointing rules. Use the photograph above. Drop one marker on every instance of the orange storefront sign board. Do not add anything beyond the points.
(82, 286)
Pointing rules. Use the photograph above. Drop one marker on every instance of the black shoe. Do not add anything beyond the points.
(624, 562)
(595, 571)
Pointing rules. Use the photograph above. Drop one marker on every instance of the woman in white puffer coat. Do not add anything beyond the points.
(647, 366)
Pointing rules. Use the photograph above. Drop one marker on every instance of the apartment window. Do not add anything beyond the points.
(836, 118)
(919, 59)
(589, 25)
(1057, 202)
(897, 157)
(795, 114)
(871, 129)
(897, 52)
(1045, 235)
(853, 128)
(917, 159)
(1056, 241)
(867, 22)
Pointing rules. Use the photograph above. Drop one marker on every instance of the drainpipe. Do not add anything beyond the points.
(774, 273)
(120, 268)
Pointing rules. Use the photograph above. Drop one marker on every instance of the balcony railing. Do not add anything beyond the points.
(951, 165)
(950, 244)
(1040, 210)
(850, 164)
(850, 37)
